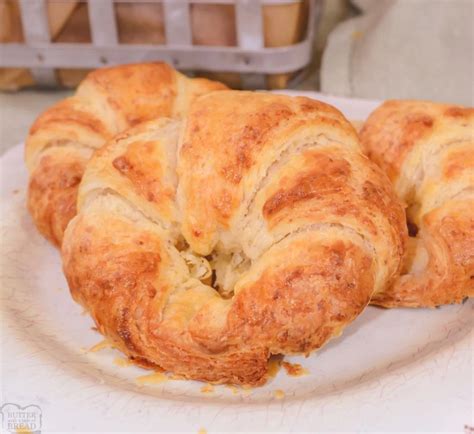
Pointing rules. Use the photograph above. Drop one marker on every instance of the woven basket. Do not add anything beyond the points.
(245, 43)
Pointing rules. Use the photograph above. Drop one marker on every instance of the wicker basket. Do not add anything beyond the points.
(246, 43)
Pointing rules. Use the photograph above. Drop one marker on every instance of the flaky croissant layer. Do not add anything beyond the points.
(428, 151)
(108, 101)
(253, 226)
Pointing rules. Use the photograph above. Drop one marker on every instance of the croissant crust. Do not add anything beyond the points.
(428, 151)
(253, 226)
(108, 101)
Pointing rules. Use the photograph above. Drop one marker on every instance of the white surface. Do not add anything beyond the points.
(392, 370)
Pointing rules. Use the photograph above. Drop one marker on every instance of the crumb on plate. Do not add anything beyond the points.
(294, 369)
(207, 388)
(279, 394)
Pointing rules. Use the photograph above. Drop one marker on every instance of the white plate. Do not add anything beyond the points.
(392, 370)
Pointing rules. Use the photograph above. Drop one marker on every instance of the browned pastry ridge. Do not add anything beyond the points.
(427, 149)
(255, 226)
(108, 101)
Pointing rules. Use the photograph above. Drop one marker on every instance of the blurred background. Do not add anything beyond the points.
(376, 49)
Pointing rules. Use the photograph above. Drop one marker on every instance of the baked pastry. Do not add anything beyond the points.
(254, 227)
(108, 101)
(427, 149)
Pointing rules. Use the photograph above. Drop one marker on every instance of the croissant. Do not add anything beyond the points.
(108, 101)
(427, 149)
(254, 226)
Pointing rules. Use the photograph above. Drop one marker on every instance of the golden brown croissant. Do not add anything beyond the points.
(427, 149)
(108, 101)
(254, 227)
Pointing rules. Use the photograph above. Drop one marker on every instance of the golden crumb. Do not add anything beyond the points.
(120, 361)
(207, 388)
(279, 394)
(294, 369)
(155, 378)
(233, 389)
(105, 343)
(240, 390)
